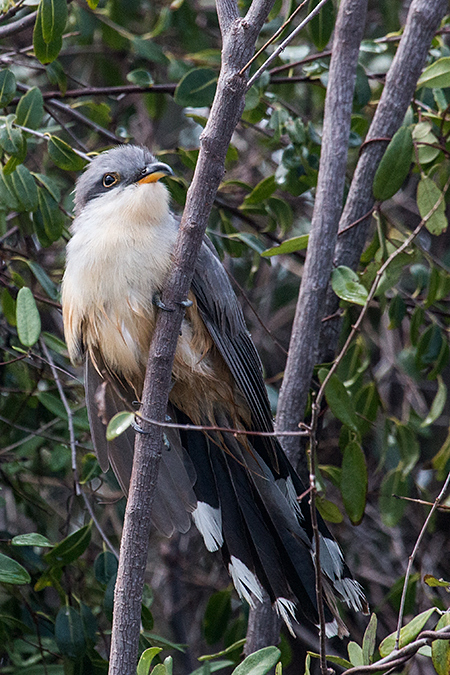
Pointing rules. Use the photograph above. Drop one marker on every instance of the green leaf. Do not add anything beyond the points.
(428, 195)
(118, 424)
(140, 77)
(31, 539)
(321, 26)
(328, 510)
(8, 197)
(223, 652)
(369, 640)
(258, 663)
(288, 246)
(47, 284)
(7, 87)
(43, 51)
(347, 286)
(217, 615)
(56, 75)
(30, 109)
(25, 188)
(261, 191)
(11, 572)
(437, 75)
(70, 548)
(27, 318)
(394, 165)
(49, 184)
(53, 18)
(52, 217)
(69, 633)
(355, 654)
(441, 458)
(63, 156)
(391, 509)
(440, 649)
(435, 583)
(197, 88)
(408, 447)
(213, 667)
(338, 660)
(10, 138)
(150, 50)
(438, 404)
(397, 312)
(339, 401)
(354, 482)
(146, 659)
(105, 567)
(407, 634)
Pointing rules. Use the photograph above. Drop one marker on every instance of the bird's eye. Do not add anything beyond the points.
(110, 179)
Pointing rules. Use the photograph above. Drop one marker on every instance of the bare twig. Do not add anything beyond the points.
(285, 43)
(121, 90)
(12, 11)
(411, 558)
(17, 26)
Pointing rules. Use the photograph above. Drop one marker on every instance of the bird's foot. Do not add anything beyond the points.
(160, 304)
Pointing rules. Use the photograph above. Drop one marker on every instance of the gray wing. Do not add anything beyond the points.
(224, 320)
(174, 497)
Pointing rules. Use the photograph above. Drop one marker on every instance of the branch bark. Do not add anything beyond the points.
(17, 26)
(422, 23)
(239, 38)
(327, 209)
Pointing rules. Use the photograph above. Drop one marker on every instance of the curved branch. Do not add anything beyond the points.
(17, 26)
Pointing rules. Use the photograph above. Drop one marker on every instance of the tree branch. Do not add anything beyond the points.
(327, 209)
(239, 38)
(422, 22)
(17, 26)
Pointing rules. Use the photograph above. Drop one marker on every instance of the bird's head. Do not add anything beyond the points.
(125, 177)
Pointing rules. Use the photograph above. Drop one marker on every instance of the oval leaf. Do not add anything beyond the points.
(340, 402)
(146, 659)
(27, 318)
(54, 19)
(197, 88)
(63, 155)
(407, 634)
(105, 567)
(428, 195)
(217, 614)
(440, 649)
(259, 663)
(30, 109)
(52, 217)
(7, 87)
(392, 509)
(438, 404)
(25, 188)
(69, 633)
(70, 548)
(43, 51)
(140, 77)
(118, 424)
(437, 75)
(394, 165)
(347, 286)
(288, 246)
(31, 539)
(11, 572)
(321, 26)
(354, 483)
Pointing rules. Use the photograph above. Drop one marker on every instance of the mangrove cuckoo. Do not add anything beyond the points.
(241, 492)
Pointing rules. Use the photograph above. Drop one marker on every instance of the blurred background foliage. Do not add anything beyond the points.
(77, 78)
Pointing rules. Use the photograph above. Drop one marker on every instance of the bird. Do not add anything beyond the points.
(241, 492)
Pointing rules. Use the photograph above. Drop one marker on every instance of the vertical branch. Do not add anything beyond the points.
(239, 38)
(422, 22)
(327, 209)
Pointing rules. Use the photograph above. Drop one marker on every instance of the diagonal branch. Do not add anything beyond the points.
(239, 38)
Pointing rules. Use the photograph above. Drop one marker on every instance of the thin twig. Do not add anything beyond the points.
(69, 411)
(47, 137)
(441, 507)
(12, 11)
(285, 43)
(411, 558)
(274, 37)
(122, 90)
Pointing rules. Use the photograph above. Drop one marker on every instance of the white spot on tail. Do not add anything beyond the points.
(288, 490)
(286, 610)
(208, 522)
(245, 581)
(351, 592)
(331, 558)
(331, 628)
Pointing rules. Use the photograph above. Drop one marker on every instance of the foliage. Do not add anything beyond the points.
(90, 75)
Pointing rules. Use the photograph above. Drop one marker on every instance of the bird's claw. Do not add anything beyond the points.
(139, 429)
(160, 304)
